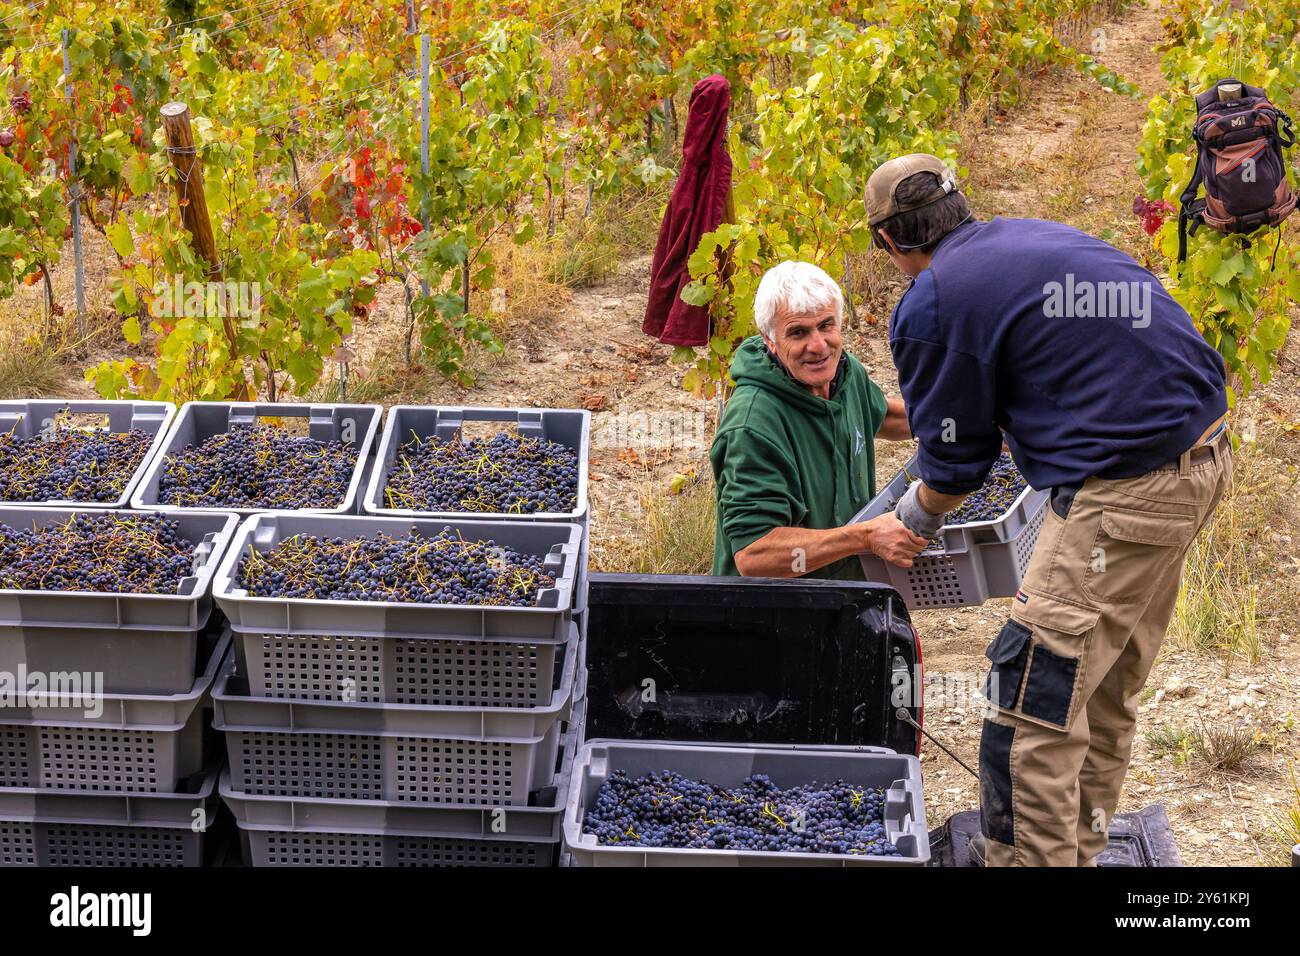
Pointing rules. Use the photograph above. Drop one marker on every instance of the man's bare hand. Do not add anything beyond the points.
(887, 538)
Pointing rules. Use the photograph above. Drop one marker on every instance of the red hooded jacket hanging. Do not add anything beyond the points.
(698, 205)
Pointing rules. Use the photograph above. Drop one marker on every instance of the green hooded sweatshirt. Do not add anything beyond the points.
(783, 457)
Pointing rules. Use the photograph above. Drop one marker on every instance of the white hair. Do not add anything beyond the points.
(799, 287)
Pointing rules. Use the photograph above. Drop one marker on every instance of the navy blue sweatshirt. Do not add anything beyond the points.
(1061, 340)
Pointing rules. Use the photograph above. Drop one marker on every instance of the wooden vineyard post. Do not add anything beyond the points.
(194, 208)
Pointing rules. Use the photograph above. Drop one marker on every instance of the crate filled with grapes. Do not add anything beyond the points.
(520, 464)
(63, 453)
(311, 575)
(110, 570)
(249, 458)
(981, 552)
(670, 803)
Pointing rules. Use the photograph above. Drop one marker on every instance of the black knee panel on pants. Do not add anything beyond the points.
(996, 819)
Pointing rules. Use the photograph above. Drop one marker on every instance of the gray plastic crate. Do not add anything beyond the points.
(980, 560)
(400, 752)
(420, 671)
(130, 660)
(199, 421)
(187, 609)
(584, 572)
(115, 743)
(569, 427)
(27, 419)
(89, 828)
(358, 507)
(307, 831)
(547, 622)
(728, 765)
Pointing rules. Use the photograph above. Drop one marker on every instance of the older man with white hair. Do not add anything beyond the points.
(794, 457)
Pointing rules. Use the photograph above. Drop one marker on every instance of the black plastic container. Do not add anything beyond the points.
(749, 660)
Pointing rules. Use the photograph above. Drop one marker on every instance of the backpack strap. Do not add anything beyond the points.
(1284, 132)
(1186, 214)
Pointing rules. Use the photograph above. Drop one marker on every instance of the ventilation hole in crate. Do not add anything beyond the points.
(471, 673)
(17, 843)
(1025, 543)
(318, 668)
(75, 758)
(308, 765)
(934, 582)
(434, 851)
(85, 845)
(453, 771)
(281, 848)
(15, 757)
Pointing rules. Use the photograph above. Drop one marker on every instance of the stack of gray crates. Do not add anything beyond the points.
(102, 748)
(568, 427)
(377, 733)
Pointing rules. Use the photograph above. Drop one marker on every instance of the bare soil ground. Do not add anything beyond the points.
(1067, 152)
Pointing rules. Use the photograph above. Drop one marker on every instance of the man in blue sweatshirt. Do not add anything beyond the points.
(1039, 335)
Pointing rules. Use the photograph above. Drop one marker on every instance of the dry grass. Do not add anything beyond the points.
(30, 366)
(525, 273)
(587, 250)
(584, 251)
(1286, 825)
(582, 254)
(675, 535)
(1226, 577)
(1224, 748)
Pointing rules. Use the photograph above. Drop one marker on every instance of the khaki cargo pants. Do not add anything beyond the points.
(1070, 662)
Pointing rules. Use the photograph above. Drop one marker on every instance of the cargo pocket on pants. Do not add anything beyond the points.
(1132, 549)
(1061, 635)
(1008, 653)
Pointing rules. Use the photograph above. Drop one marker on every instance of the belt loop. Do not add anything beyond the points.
(1185, 465)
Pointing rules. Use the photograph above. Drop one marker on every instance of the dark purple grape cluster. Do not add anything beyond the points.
(70, 465)
(991, 501)
(120, 553)
(258, 466)
(665, 809)
(504, 474)
(442, 569)
(994, 498)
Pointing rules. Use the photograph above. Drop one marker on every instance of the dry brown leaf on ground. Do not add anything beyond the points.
(594, 402)
(646, 352)
(649, 457)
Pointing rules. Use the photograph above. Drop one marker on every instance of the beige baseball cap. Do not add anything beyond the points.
(881, 203)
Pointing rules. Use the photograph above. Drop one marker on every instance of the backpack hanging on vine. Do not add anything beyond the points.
(1240, 138)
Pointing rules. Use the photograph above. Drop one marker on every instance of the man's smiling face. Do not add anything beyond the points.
(809, 345)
